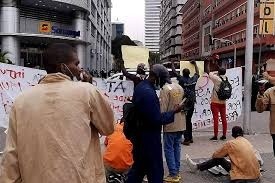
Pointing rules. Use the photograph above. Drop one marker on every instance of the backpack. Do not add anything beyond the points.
(132, 122)
(225, 89)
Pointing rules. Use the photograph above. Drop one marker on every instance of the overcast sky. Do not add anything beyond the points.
(131, 13)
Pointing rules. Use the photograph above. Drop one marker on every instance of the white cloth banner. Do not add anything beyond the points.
(202, 116)
(118, 92)
(13, 80)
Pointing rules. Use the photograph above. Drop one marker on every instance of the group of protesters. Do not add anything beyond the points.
(54, 128)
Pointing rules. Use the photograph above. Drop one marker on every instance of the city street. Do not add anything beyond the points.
(203, 149)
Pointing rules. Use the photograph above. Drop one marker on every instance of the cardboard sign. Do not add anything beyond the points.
(191, 67)
(133, 55)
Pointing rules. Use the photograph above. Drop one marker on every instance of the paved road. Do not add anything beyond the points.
(203, 148)
(268, 176)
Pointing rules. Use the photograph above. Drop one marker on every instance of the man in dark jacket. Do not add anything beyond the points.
(147, 147)
(188, 84)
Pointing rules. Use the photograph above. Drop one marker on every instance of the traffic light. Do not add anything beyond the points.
(211, 42)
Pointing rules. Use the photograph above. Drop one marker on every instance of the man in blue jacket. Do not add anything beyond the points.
(147, 147)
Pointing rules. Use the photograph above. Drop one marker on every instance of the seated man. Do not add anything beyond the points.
(244, 166)
(117, 157)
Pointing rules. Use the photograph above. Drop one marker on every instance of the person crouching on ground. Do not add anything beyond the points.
(244, 164)
(117, 157)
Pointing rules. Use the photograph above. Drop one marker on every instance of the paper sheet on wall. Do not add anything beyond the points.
(133, 55)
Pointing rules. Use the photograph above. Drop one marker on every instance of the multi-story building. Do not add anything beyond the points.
(117, 29)
(171, 29)
(28, 26)
(225, 20)
(152, 23)
(191, 29)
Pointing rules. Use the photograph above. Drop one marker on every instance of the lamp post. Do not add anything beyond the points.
(231, 42)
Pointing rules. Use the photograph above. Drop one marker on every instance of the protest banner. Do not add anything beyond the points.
(118, 93)
(202, 117)
(133, 55)
(188, 65)
(13, 80)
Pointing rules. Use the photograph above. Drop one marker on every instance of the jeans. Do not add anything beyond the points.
(216, 109)
(188, 132)
(172, 150)
(273, 137)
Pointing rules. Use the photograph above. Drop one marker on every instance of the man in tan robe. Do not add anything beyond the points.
(54, 127)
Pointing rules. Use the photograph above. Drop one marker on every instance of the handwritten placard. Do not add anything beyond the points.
(202, 116)
(118, 93)
(13, 80)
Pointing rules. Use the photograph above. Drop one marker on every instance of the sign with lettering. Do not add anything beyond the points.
(13, 80)
(202, 116)
(118, 92)
(45, 27)
(267, 17)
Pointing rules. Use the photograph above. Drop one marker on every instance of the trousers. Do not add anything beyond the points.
(216, 110)
(188, 135)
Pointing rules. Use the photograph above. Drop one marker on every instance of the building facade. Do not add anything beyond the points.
(27, 27)
(226, 20)
(117, 29)
(152, 24)
(171, 29)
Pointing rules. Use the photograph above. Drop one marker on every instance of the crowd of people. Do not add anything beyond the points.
(55, 138)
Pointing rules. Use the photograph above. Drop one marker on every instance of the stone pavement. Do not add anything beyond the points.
(203, 149)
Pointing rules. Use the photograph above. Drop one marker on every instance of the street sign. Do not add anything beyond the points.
(267, 17)
(266, 27)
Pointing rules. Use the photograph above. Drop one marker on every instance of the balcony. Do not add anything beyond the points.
(192, 40)
(225, 23)
(221, 5)
(192, 11)
(195, 23)
(239, 40)
(191, 54)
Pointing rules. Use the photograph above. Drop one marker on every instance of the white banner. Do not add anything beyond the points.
(13, 80)
(202, 116)
(118, 92)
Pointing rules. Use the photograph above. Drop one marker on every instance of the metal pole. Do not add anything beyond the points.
(260, 54)
(248, 66)
(235, 55)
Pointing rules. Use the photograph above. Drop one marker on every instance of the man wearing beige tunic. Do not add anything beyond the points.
(54, 127)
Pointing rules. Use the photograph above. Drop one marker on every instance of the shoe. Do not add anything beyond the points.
(186, 143)
(191, 164)
(214, 138)
(179, 177)
(170, 178)
(223, 137)
(191, 141)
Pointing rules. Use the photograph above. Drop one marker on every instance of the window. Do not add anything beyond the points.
(238, 12)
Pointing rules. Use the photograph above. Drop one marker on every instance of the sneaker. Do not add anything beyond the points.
(179, 177)
(191, 141)
(186, 143)
(223, 137)
(191, 164)
(214, 138)
(170, 178)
